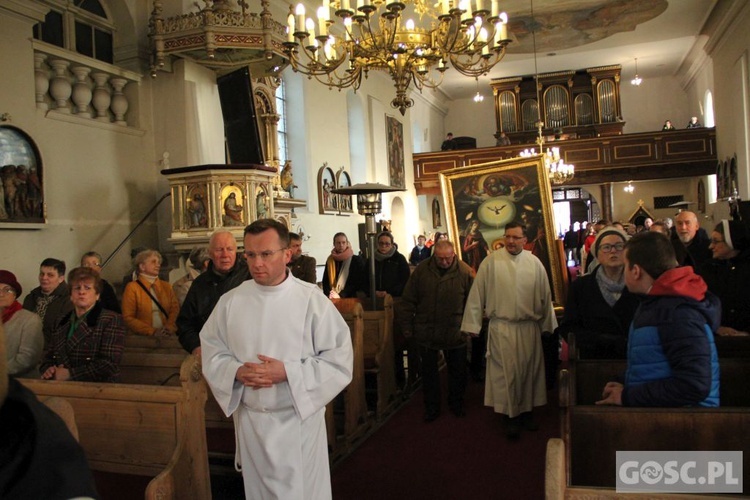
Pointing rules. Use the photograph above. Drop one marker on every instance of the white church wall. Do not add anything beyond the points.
(97, 180)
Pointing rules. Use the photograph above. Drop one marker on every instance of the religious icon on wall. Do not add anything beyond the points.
(395, 141)
(233, 206)
(21, 188)
(196, 207)
(261, 203)
(344, 200)
(482, 199)
(436, 219)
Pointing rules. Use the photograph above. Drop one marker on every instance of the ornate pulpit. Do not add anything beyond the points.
(210, 197)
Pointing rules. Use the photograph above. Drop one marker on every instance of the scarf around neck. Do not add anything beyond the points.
(380, 257)
(11, 310)
(611, 290)
(340, 257)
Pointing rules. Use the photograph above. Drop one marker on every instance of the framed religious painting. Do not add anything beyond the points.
(344, 201)
(21, 185)
(196, 214)
(482, 199)
(327, 200)
(436, 218)
(233, 206)
(395, 140)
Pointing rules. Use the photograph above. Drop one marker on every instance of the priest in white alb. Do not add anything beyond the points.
(512, 290)
(275, 352)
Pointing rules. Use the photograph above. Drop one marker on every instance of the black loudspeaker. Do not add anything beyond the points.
(240, 122)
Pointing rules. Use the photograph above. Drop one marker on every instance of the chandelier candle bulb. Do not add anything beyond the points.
(410, 25)
(446, 6)
(465, 6)
(290, 28)
(300, 11)
(345, 6)
(503, 31)
(495, 9)
(310, 27)
(480, 6)
(322, 18)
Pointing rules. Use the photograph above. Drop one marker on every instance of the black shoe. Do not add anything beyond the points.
(512, 429)
(528, 423)
(431, 416)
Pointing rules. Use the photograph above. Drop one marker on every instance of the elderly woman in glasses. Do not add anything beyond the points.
(727, 275)
(600, 308)
(23, 329)
(149, 305)
(87, 345)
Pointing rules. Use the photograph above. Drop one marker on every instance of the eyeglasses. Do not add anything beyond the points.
(264, 256)
(716, 242)
(6, 290)
(384, 243)
(86, 288)
(617, 247)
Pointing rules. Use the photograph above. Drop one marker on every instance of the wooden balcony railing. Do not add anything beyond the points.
(642, 156)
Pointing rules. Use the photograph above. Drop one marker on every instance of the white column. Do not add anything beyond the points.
(119, 104)
(60, 87)
(102, 97)
(41, 80)
(81, 90)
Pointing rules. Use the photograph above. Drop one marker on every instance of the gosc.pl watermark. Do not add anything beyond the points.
(679, 471)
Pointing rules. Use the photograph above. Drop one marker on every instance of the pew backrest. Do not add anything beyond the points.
(143, 429)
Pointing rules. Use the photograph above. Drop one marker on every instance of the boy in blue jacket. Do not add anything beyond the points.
(672, 358)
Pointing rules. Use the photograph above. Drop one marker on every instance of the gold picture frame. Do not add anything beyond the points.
(481, 199)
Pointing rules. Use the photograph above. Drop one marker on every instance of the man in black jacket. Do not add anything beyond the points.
(224, 273)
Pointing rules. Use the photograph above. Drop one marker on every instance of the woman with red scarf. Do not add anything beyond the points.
(23, 329)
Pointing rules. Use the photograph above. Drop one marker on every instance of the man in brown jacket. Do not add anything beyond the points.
(431, 309)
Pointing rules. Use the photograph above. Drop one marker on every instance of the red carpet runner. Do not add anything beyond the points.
(450, 458)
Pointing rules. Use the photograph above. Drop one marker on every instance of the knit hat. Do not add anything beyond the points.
(735, 234)
(608, 231)
(9, 279)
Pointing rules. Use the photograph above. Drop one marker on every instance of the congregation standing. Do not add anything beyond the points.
(275, 351)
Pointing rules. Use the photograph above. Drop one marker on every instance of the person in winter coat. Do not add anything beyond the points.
(672, 358)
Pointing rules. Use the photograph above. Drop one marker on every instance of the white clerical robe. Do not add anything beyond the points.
(282, 448)
(513, 292)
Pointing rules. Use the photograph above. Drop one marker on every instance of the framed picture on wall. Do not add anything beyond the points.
(482, 199)
(22, 189)
(395, 141)
(437, 220)
(327, 200)
(344, 200)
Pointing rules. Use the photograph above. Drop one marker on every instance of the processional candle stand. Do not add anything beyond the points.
(369, 204)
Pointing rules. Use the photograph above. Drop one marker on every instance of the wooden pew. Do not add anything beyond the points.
(593, 434)
(379, 355)
(157, 361)
(557, 488)
(143, 430)
(151, 366)
(153, 342)
(355, 416)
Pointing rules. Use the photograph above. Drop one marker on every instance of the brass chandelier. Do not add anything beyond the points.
(340, 49)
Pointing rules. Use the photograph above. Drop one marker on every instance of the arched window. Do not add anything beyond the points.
(80, 26)
(708, 114)
(281, 126)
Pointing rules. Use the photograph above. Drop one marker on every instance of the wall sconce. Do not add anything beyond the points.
(629, 188)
